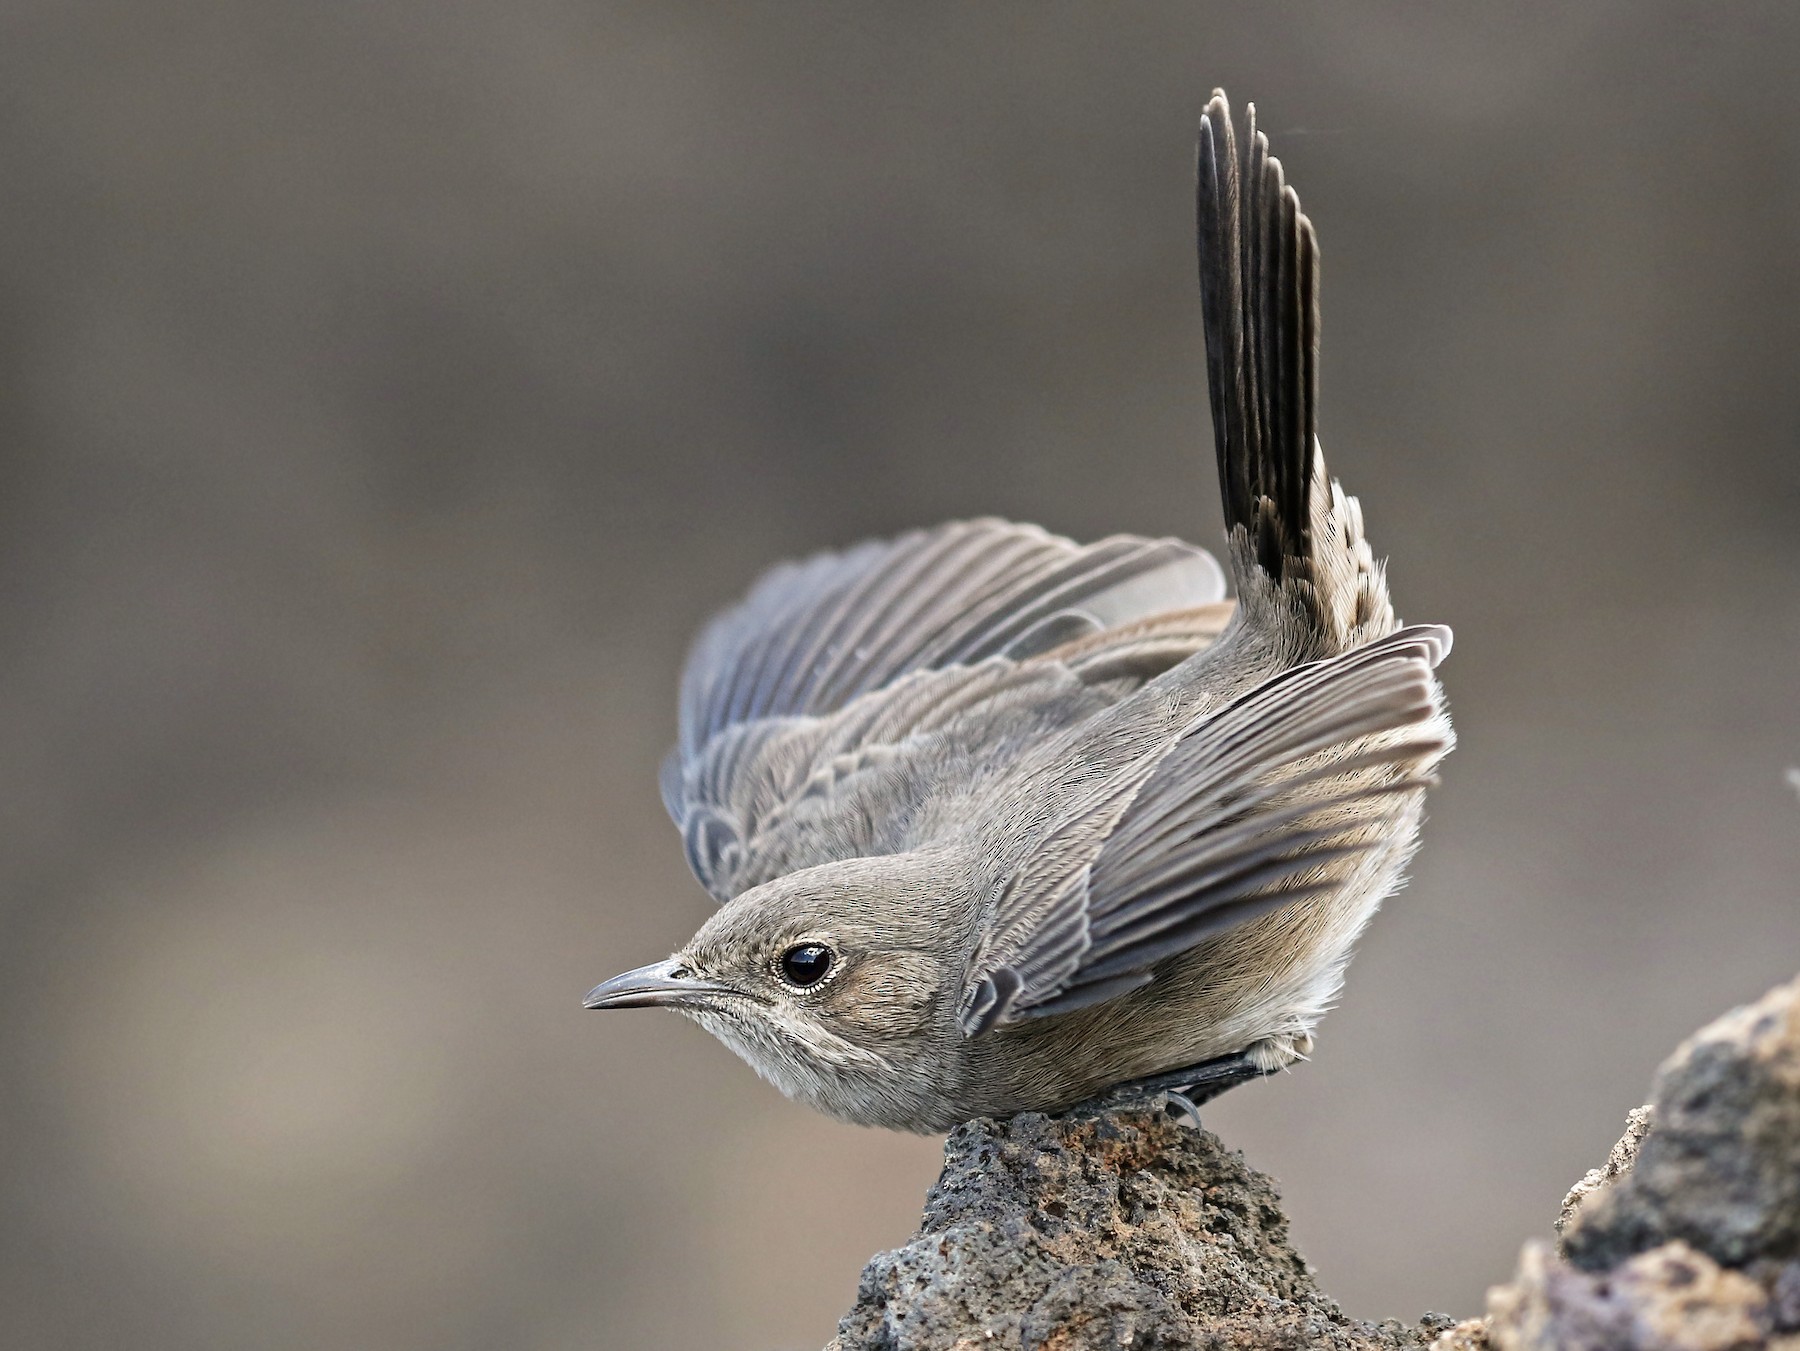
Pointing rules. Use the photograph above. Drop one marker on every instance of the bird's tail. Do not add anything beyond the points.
(1298, 553)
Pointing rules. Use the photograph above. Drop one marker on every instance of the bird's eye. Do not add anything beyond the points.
(806, 964)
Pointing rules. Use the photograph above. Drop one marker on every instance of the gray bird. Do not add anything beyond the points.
(999, 822)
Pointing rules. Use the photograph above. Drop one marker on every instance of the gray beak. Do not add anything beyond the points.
(666, 984)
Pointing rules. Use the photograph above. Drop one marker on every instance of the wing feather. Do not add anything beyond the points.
(831, 661)
(813, 635)
(1256, 806)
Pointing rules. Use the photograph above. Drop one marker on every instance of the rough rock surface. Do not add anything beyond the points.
(1137, 1230)
(1669, 1298)
(1689, 1238)
(1720, 1168)
(1128, 1230)
(1618, 1163)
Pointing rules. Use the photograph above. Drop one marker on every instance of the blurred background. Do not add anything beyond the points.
(387, 390)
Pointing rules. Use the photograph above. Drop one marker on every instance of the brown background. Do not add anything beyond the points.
(387, 390)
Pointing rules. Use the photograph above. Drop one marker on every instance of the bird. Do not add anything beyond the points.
(998, 822)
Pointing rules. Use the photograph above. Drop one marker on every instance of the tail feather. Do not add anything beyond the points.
(1295, 536)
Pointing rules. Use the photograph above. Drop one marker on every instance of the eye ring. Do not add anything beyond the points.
(806, 965)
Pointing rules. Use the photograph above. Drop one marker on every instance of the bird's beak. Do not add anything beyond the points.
(666, 983)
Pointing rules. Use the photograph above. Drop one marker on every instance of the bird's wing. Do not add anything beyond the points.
(1261, 803)
(813, 635)
(830, 662)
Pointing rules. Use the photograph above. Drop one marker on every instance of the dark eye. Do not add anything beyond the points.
(806, 964)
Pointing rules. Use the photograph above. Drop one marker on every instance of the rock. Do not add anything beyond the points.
(1785, 1298)
(1720, 1169)
(1127, 1230)
(1686, 1239)
(1671, 1298)
(1137, 1230)
(1618, 1163)
(1468, 1335)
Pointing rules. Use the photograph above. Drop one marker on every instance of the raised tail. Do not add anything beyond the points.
(1298, 554)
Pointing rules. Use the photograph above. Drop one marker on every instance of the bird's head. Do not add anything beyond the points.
(834, 982)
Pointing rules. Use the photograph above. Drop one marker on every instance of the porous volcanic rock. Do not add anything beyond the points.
(1133, 1229)
(1137, 1230)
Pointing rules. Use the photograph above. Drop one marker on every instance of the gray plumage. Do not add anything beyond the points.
(1000, 822)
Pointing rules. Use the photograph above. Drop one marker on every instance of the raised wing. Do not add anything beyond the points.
(828, 663)
(1258, 805)
(813, 635)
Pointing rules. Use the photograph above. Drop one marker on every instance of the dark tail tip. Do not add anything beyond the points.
(1259, 291)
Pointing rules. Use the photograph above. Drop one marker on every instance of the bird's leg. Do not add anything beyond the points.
(1183, 1088)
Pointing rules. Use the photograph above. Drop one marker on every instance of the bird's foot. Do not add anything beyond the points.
(1181, 1102)
(1182, 1090)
